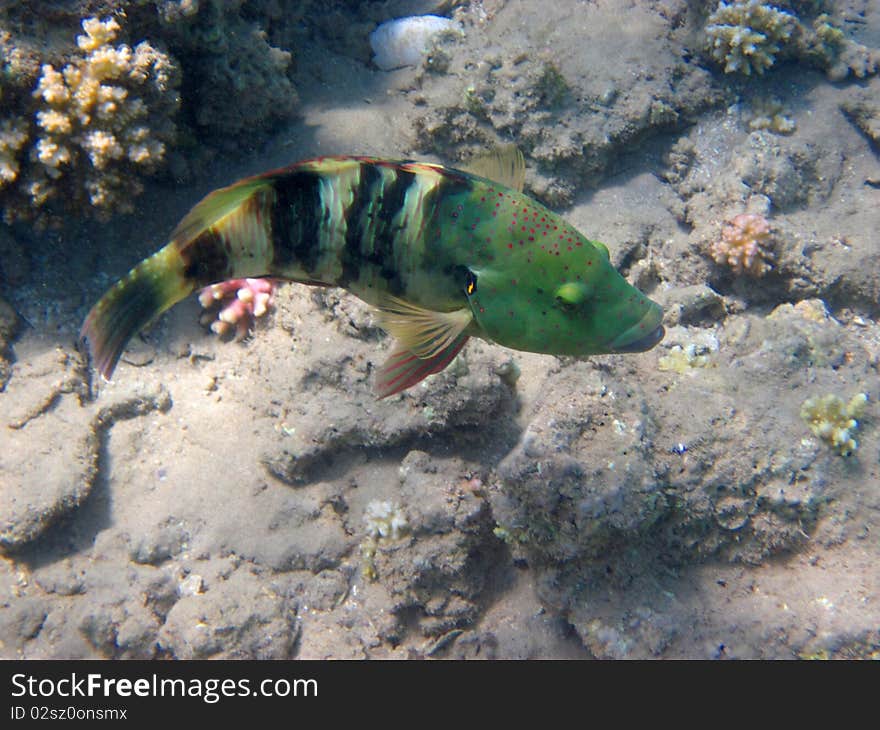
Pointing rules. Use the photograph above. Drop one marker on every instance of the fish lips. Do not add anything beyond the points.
(642, 336)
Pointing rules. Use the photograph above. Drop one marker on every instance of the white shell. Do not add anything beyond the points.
(403, 42)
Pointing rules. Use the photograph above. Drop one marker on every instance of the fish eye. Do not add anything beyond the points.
(570, 294)
(470, 286)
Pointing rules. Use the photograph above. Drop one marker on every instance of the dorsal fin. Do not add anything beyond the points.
(505, 165)
(217, 205)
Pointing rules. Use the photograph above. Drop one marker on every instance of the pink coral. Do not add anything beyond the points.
(240, 302)
(743, 244)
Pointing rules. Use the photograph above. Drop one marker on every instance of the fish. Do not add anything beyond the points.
(443, 253)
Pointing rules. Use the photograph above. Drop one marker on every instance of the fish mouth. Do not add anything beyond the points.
(641, 336)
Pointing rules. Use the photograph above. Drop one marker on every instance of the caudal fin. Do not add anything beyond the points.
(149, 289)
(223, 227)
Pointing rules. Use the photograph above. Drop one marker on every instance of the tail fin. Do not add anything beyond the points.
(200, 253)
(149, 289)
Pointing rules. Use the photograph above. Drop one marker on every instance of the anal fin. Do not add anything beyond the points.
(403, 369)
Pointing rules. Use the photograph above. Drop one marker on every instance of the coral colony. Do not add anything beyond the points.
(834, 421)
(750, 36)
(102, 122)
(743, 244)
(239, 301)
(746, 37)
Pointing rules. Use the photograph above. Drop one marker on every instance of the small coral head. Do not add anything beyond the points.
(743, 244)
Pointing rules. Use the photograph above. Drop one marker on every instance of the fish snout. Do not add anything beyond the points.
(643, 335)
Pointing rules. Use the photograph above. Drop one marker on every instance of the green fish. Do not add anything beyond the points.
(444, 254)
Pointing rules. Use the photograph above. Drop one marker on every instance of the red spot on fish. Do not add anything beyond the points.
(579, 244)
(569, 248)
(589, 263)
(531, 238)
(509, 245)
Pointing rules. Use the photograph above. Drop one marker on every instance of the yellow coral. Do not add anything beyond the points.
(682, 359)
(743, 244)
(98, 33)
(104, 118)
(13, 135)
(834, 421)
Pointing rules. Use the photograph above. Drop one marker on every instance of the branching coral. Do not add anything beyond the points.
(240, 302)
(834, 421)
(13, 136)
(745, 36)
(99, 124)
(744, 244)
(749, 35)
(104, 120)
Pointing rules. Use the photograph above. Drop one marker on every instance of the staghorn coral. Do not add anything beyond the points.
(834, 421)
(743, 244)
(102, 122)
(240, 302)
(746, 36)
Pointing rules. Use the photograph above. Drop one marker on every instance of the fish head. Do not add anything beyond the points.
(577, 304)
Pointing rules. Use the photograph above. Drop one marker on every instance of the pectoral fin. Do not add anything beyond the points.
(423, 332)
(404, 369)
